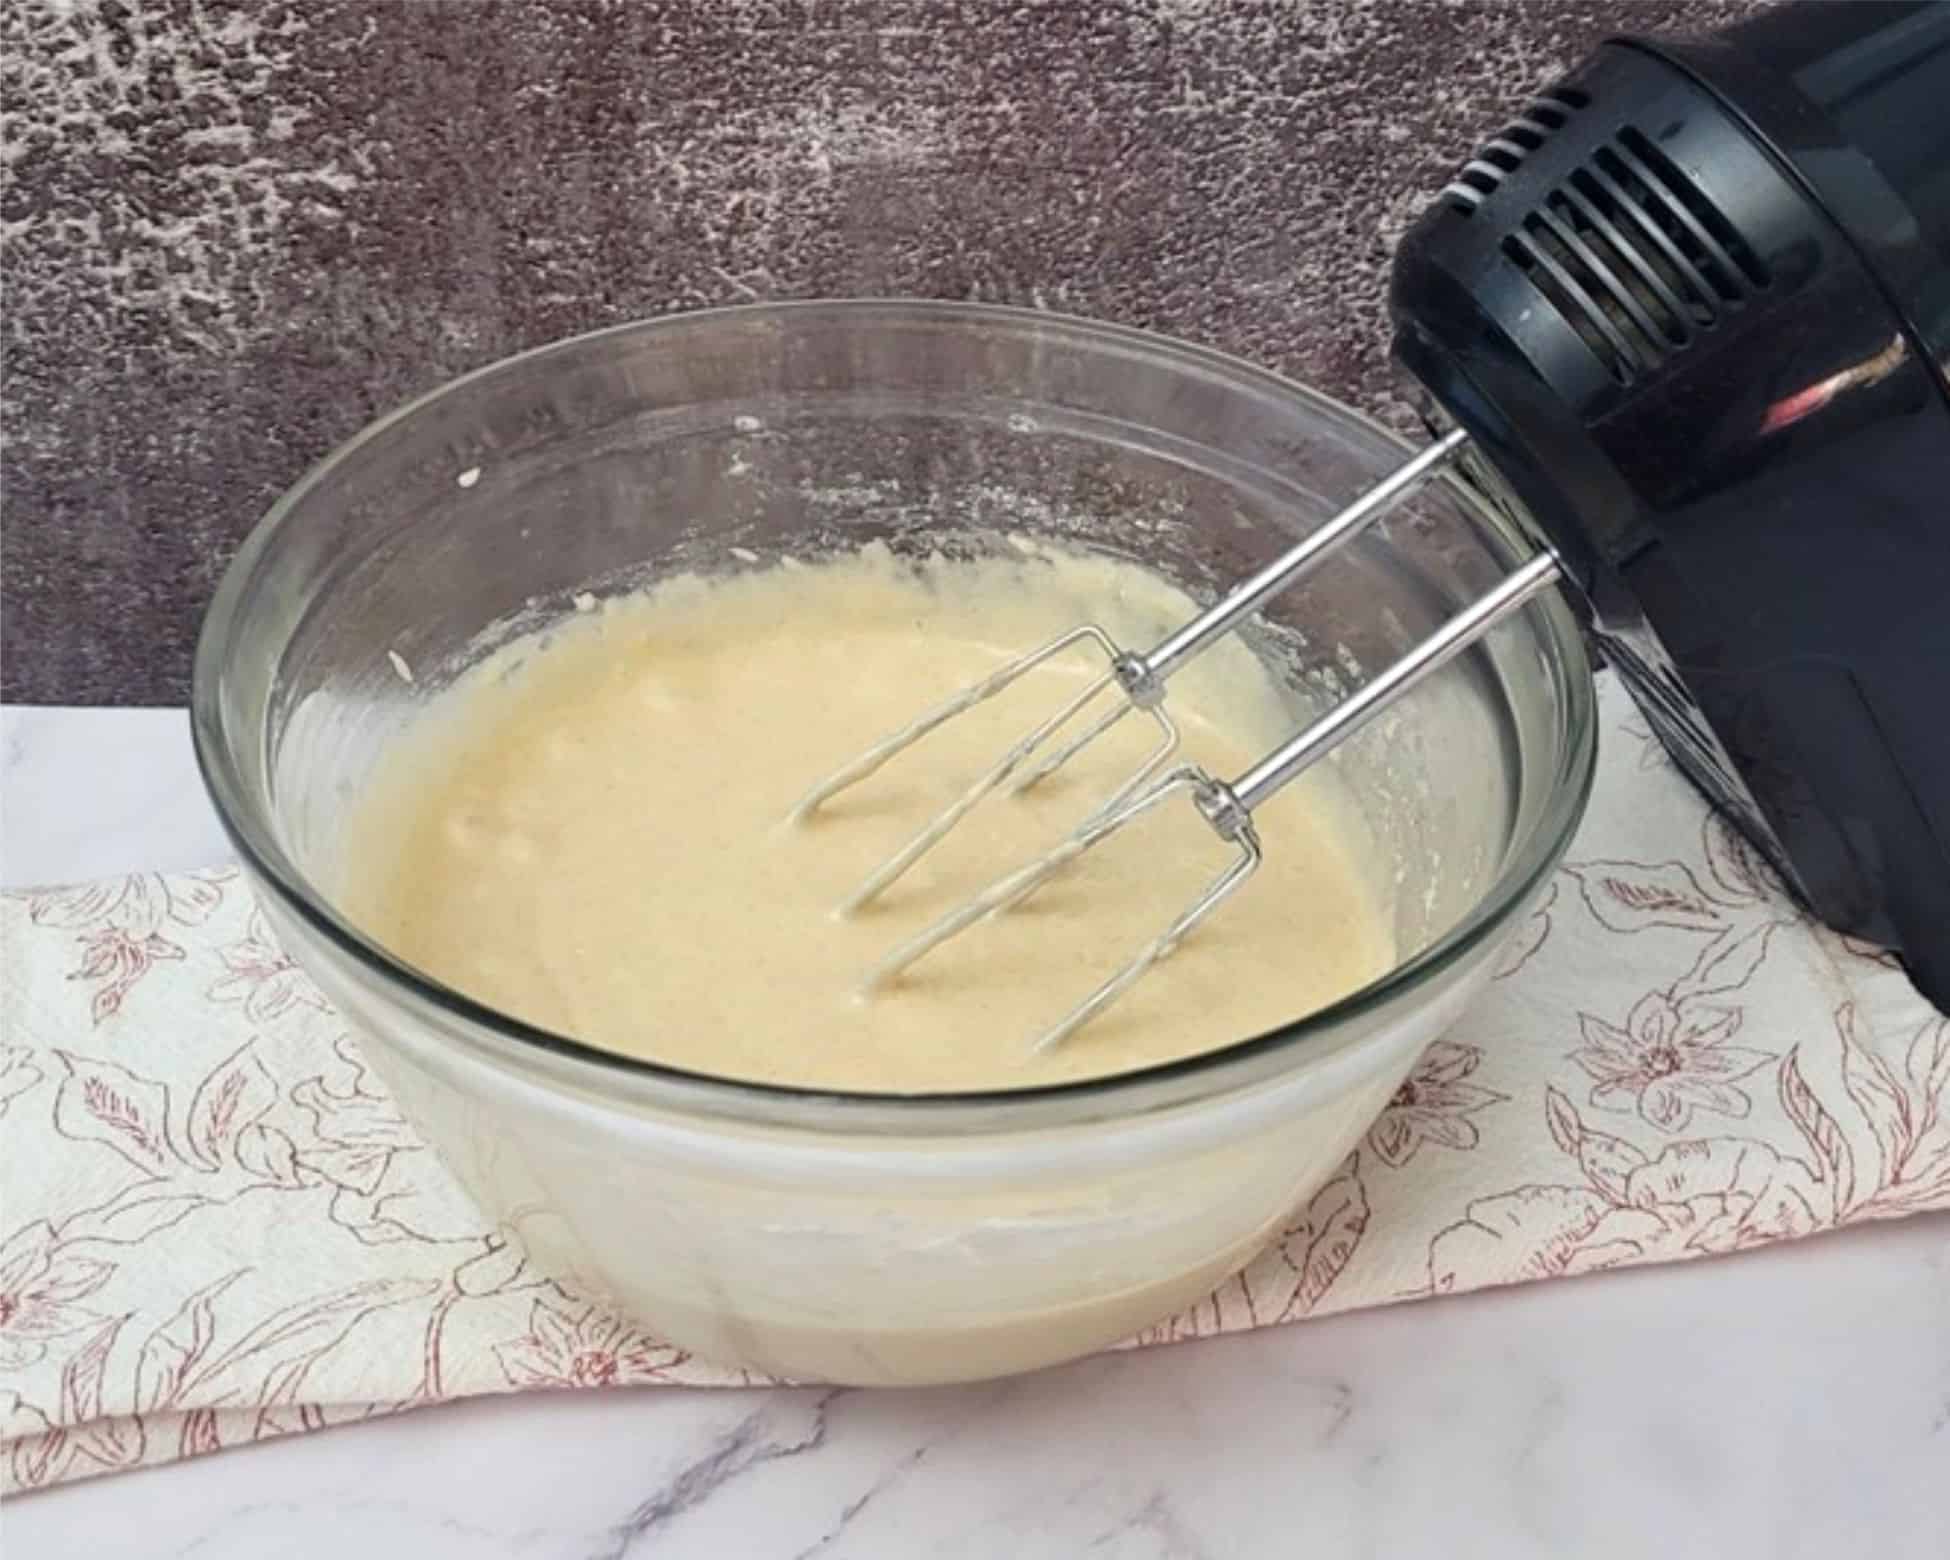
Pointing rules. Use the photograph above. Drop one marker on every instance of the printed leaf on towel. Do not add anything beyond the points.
(1533, 1232)
(1607, 1162)
(1529, 938)
(1317, 1247)
(134, 1214)
(199, 1434)
(1928, 1067)
(1727, 963)
(1636, 896)
(1876, 1093)
(195, 896)
(268, 1365)
(177, 1348)
(1918, 1177)
(101, 1102)
(1834, 1159)
(38, 1449)
(110, 1440)
(236, 1094)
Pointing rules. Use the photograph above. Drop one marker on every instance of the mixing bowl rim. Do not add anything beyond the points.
(254, 839)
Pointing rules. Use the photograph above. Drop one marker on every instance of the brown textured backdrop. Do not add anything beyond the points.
(236, 231)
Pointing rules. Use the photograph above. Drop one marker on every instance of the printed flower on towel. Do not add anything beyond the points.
(1885, 1153)
(1670, 1056)
(263, 979)
(1669, 1059)
(123, 925)
(1433, 1105)
(1693, 1199)
(588, 1349)
(40, 1287)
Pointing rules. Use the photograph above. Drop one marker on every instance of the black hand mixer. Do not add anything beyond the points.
(1687, 317)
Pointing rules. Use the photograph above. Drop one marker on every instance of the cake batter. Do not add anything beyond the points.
(588, 832)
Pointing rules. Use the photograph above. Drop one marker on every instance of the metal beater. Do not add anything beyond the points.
(1139, 680)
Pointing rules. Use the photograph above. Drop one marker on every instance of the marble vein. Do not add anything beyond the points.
(750, 1444)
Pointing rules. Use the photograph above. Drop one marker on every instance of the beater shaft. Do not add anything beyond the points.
(1299, 560)
(1352, 713)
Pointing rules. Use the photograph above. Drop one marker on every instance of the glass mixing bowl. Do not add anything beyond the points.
(877, 1238)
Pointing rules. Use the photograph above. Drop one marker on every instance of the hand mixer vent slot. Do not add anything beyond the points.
(1504, 153)
(1634, 257)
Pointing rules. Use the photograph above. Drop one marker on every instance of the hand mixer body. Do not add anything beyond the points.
(1693, 308)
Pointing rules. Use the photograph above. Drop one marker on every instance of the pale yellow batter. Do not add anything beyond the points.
(589, 832)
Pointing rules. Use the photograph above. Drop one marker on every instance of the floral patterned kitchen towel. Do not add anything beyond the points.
(214, 1227)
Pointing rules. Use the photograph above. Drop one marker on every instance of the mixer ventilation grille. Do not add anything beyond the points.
(1628, 250)
(1485, 172)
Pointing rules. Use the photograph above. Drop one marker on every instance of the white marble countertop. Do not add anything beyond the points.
(1791, 1402)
